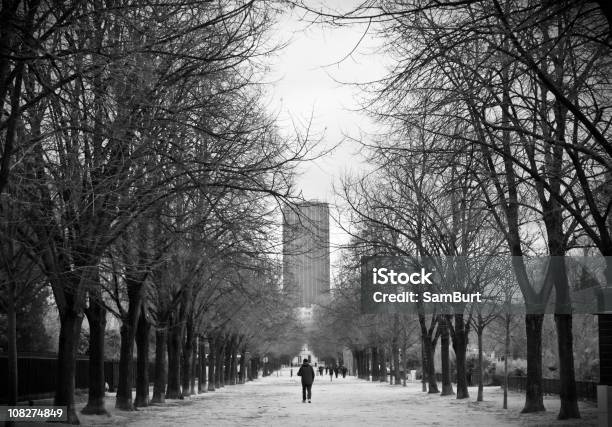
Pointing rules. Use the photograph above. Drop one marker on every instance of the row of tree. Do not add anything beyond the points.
(497, 142)
(141, 176)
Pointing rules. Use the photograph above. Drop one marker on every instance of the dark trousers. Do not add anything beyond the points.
(305, 388)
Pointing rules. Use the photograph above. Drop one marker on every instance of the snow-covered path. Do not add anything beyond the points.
(277, 401)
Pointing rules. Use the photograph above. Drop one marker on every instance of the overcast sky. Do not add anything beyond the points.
(307, 75)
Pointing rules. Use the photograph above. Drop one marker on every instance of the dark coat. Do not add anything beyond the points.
(307, 374)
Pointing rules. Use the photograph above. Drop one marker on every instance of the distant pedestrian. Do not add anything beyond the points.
(308, 375)
(291, 372)
(320, 371)
(331, 373)
(344, 371)
(326, 369)
(336, 371)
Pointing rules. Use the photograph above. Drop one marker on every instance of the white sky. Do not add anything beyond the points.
(303, 75)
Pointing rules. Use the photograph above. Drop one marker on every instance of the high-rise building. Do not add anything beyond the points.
(306, 251)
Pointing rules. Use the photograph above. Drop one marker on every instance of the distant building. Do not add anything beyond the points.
(305, 353)
(305, 317)
(306, 252)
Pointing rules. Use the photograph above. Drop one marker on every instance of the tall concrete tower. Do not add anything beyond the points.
(306, 251)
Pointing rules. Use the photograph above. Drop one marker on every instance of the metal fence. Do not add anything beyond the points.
(586, 390)
(37, 375)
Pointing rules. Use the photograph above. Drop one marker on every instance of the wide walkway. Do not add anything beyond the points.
(276, 401)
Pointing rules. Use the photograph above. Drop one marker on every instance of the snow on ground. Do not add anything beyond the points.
(277, 401)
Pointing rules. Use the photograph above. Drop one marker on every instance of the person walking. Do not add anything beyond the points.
(336, 370)
(331, 374)
(320, 371)
(308, 375)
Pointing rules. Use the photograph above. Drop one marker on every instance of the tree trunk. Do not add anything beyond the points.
(175, 338)
(187, 359)
(193, 369)
(227, 358)
(563, 323)
(142, 361)
(13, 364)
(430, 366)
(96, 317)
(567, 389)
(362, 362)
(460, 346)
(197, 363)
(396, 364)
(124, 386)
(391, 366)
(447, 386)
(552, 214)
(429, 350)
(212, 364)
(161, 370)
(126, 354)
(423, 366)
(375, 367)
(13, 384)
(70, 329)
(202, 366)
(219, 364)
(242, 376)
(534, 397)
(383, 364)
(234, 367)
(404, 362)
